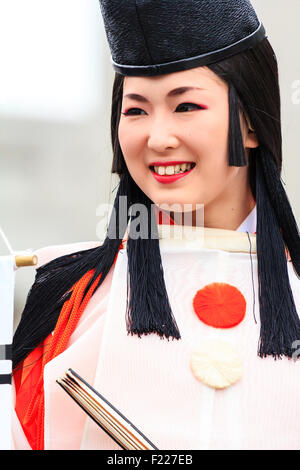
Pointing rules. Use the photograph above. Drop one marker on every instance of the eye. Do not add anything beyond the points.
(132, 112)
(185, 105)
(182, 106)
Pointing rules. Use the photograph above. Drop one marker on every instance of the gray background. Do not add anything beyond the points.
(55, 166)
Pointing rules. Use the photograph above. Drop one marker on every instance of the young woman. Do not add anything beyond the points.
(181, 338)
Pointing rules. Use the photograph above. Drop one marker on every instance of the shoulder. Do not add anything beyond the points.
(49, 253)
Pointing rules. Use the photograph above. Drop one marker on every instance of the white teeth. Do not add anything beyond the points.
(171, 170)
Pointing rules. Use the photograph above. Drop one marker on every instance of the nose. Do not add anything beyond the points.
(162, 136)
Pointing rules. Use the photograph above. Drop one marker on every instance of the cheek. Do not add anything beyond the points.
(130, 142)
(132, 148)
(217, 128)
(209, 139)
(125, 138)
(213, 123)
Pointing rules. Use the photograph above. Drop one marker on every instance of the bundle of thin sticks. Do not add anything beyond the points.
(104, 413)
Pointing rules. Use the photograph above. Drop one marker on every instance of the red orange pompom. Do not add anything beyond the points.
(220, 305)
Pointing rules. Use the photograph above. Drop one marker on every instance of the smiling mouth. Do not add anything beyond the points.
(171, 170)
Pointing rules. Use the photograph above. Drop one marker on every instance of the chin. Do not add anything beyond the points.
(182, 206)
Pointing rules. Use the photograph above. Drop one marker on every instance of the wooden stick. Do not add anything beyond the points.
(26, 260)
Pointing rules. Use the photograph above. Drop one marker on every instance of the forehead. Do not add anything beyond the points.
(200, 77)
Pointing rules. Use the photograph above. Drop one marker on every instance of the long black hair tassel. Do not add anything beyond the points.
(237, 156)
(54, 281)
(148, 307)
(280, 324)
(282, 208)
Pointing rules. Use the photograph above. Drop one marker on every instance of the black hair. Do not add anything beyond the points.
(253, 82)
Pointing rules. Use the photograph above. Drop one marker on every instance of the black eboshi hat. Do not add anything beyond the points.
(154, 37)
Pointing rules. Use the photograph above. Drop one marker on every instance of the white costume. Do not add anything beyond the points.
(149, 379)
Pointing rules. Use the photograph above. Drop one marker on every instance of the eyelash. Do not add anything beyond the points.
(190, 104)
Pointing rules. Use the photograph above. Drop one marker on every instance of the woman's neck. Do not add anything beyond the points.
(227, 212)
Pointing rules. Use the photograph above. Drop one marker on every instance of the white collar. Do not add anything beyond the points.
(249, 224)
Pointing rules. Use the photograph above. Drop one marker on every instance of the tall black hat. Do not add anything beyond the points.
(153, 37)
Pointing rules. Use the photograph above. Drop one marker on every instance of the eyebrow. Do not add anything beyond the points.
(175, 92)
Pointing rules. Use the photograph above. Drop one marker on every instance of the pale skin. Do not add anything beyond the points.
(189, 126)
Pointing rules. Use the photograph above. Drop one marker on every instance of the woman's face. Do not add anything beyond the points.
(173, 120)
